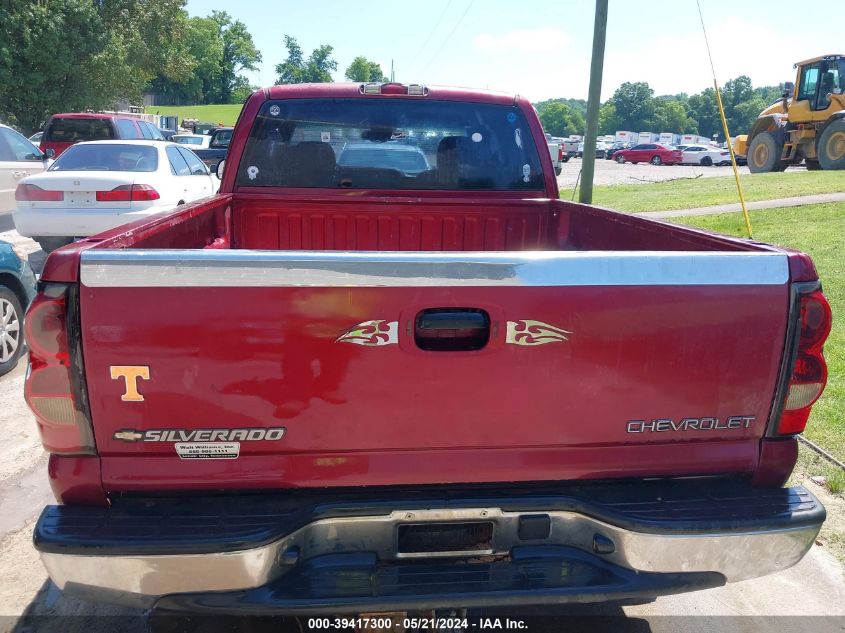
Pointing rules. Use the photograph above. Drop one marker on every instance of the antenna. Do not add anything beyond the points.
(392, 76)
(725, 124)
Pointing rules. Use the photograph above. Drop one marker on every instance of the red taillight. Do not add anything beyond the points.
(59, 406)
(809, 371)
(128, 193)
(34, 193)
(560, 152)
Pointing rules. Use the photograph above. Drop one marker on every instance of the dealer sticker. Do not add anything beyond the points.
(208, 450)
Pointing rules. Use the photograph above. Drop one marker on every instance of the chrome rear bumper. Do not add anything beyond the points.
(728, 548)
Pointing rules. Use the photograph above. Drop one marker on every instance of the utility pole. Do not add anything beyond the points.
(588, 162)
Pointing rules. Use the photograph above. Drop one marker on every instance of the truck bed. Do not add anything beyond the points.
(615, 346)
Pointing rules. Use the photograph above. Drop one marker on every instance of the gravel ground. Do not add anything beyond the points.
(609, 172)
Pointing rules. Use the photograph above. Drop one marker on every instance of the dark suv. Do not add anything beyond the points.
(63, 130)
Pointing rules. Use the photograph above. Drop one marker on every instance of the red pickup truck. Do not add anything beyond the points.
(387, 369)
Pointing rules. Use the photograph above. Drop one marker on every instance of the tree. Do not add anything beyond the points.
(745, 113)
(577, 105)
(59, 55)
(362, 69)
(239, 54)
(36, 81)
(635, 106)
(205, 52)
(296, 70)
(671, 116)
(705, 111)
(608, 121)
(559, 119)
(144, 39)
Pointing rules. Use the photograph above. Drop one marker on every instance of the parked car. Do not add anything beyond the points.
(35, 139)
(63, 130)
(17, 288)
(99, 185)
(167, 134)
(601, 149)
(615, 147)
(653, 153)
(18, 159)
(407, 160)
(194, 141)
(218, 147)
(556, 153)
(705, 155)
(307, 398)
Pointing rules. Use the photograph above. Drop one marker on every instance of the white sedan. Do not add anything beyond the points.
(706, 156)
(19, 158)
(100, 185)
(194, 141)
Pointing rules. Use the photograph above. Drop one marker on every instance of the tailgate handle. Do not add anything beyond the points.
(452, 329)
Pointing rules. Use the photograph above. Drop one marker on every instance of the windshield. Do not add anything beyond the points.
(384, 143)
(76, 130)
(100, 157)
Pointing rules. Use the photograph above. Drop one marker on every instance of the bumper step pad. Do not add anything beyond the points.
(349, 583)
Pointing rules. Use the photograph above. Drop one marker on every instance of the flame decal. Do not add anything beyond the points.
(371, 333)
(528, 332)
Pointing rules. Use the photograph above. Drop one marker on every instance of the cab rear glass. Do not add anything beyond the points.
(71, 130)
(390, 143)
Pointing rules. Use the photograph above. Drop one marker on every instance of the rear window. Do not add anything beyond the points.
(63, 130)
(221, 138)
(187, 140)
(379, 143)
(114, 157)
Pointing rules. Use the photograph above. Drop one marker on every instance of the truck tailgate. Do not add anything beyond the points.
(596, 364)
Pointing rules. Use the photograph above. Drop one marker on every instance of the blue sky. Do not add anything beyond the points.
(541, 48)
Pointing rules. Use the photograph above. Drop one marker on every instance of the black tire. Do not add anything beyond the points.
(49, 244)
(831, 147)
(656, 160)
(706, 161)
(764, 154)
(565, 159)
(558, 169)
(812, 165)
(11, 330)
(619, 158)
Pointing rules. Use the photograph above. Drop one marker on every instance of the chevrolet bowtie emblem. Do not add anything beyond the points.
(128, 436)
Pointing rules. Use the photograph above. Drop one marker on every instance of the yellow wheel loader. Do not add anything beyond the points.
(808, 124)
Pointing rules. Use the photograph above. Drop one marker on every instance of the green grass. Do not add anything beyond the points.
(818, 230)
(225, 114)
(836, 482)
(703, 192)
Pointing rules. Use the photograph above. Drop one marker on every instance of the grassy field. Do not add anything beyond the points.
(225, 114)
(820, 231)
(702, 192)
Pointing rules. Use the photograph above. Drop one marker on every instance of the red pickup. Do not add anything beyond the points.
(387, 369)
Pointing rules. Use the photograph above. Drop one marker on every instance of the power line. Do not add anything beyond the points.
(451, 33)
(436, 24)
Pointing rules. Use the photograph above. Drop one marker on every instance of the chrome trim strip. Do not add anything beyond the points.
(246, 268)
(140, 580)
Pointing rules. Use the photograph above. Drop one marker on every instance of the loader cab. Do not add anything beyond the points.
(820, 85)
